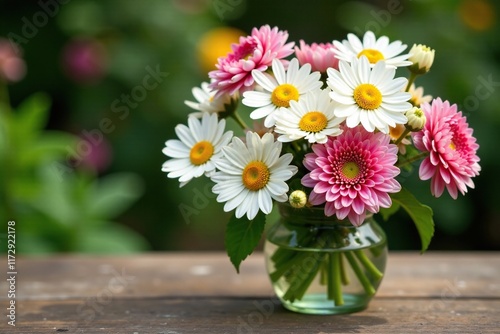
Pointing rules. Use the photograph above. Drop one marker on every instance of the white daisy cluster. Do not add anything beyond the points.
(373, 49)
(251, 175)
(294, 104)
(207, 102)
(199, 146)
(370, 96)
(280, 89)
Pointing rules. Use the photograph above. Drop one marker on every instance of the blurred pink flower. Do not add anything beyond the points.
(84, 60)
(254, 52)
(452, 161)
(320, 56)
(12, 66)
(99, 156)
(353, 173)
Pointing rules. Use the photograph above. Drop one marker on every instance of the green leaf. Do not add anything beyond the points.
(113, 194)
(49, 145)
(386, 213)
(242, 236)
(5, 148)
(110, 238)
(421, 215)
(34, 245)
(33, 113)
(55, 198)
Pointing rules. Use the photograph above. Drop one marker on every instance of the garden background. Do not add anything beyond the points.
(105, 84)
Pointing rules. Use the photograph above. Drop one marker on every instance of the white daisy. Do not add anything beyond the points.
(280, 89)
(199, 146)
(206, 101)
(251, 175)
(368, 96)
(374, 49)
(311, 118)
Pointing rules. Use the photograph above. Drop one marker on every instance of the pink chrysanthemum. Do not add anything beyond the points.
(353, 173)
(321, 56)
(452, 160)
(254, 52)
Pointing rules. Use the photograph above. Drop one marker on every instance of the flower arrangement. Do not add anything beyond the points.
(336, 128)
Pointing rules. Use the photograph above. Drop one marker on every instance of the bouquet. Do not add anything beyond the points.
(333, 129)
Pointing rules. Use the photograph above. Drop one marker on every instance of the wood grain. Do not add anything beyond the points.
(201, 293)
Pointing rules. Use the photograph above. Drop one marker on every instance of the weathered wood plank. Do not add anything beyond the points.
(201, 293)
(252, 315)
(211, 274)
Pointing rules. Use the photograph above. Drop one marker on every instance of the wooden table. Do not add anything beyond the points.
(201, 293)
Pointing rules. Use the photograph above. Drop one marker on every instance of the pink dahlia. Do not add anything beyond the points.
(254, 52)
(452, 160)
(321, 56)
(353, 173)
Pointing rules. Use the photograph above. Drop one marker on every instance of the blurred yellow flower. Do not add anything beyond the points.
(477, 14)
(216, 43)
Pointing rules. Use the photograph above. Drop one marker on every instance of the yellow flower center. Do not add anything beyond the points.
(453, 146)
(367, 96)
(201, 152)
(313, 121)
(282, 95)
(373, 55)
(255, 175)
(350, 170)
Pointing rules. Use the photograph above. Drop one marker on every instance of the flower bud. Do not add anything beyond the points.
(422, 58)
(416, 119)
(298, 199)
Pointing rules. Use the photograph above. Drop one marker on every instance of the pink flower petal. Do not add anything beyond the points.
(350, 192)
(452, 149)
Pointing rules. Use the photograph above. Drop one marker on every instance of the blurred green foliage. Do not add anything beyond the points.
(58, 210)
(125, 202)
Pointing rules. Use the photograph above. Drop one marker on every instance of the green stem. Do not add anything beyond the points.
(298, 269)
(323, 279)
(369, 266)
(411, 80)
(301, 270)
(285, 259)
(359, 273)
(343, 273)
(403, 135)
(334, 282)
(240, 121)
(281, 268)
(296, 146)
(303, 276)
(282, 255)
(376, 251)
(412, 159)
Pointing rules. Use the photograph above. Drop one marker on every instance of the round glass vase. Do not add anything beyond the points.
(322, 265)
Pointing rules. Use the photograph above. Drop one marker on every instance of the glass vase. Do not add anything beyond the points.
(322, 265)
